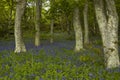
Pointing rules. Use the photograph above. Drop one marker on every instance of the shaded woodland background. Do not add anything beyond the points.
(61, 9)
(59, 39)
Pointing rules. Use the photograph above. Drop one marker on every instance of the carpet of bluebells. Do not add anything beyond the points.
(54, 61)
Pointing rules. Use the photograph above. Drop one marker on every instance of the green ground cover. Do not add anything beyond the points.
(62, 65)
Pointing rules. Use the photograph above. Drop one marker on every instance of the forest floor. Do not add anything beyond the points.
(54, 61)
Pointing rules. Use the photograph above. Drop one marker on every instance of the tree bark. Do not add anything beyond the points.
(108, 25)
(19, 44)
(78, 30)
(86, 30)
(37, 24)
(67, 24)
(52, 30)
(10, 15)
(61, 23)
(52, 21)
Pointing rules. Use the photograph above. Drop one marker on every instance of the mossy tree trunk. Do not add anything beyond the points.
(52, 13)
(52, 31)
(19, 44)
(38, 22)
(67, 23)
(78, 30)
(108, 24)
(86, 30)
(11, 5)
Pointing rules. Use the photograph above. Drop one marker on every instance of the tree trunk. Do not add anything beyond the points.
(10, 19)
(78, 30)
(109, 30)
(19, 44)
(112, 54)
(37, 24)
(67, 25)
(61, 24)
(10, 15)
(52, 30)
(52, 20)
(86, 32)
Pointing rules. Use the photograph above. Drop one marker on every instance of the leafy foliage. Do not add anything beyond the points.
(67, 65)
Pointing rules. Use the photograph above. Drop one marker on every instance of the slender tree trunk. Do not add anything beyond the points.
(10, 3)
(78, 30)
(33, 17)
(61, 24)
(86, 32)
(109, 30)
(10, 19)
(52, 21)
(10, 15)
(37, 24)
(19, 44)
(52, 30)
(33, 11)
(95, 27)
(67, 25)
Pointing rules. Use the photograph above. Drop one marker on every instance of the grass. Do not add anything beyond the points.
(64, 65)
(55, 61)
